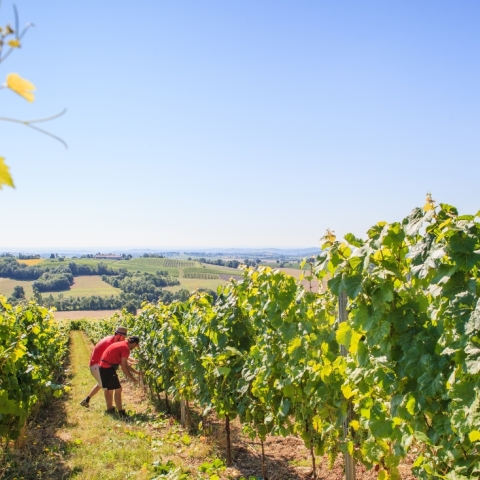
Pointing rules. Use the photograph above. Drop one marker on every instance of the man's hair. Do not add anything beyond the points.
(133, 340)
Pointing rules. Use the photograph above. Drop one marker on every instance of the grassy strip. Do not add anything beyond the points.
(99, 444)
(105, 447)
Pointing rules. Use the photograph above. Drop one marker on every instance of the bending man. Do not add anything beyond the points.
(97, 353)
(114, 356)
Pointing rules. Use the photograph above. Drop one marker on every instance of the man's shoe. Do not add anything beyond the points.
(110, 411)
(123, 414)
(85, 402)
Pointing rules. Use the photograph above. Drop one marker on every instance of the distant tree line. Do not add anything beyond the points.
(146, 286)
(220, 262)
(10, 268)
(54, 281)
(136, 287)
(130, 301)
(23, 256)
(153, 255)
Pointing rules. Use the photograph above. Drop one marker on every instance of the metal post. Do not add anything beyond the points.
(349, 461)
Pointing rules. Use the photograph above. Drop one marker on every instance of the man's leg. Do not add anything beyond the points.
(109, 398)
(94, 370)
(118, 398)
(94, 390)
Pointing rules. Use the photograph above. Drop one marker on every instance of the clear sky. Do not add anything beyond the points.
(238, 123)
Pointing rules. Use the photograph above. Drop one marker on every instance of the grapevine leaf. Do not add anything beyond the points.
(473, 324)
(422, 437)
(344, 334)
(5, 177)
(474, 436)
(462, 242)
(294, 344)
(473, 359)
(466, 260)
(413, 222)
(347, 391)
(336, 284)
(355, 424)
(448, 209)
(352, 240)
(381, 428)
(411, 405)
(353, 285)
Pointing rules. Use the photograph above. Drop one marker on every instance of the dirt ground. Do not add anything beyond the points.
(286, 459)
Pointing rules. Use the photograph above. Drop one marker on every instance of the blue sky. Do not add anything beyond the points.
(240, 123)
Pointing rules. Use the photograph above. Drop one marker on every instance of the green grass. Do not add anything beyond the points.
(7, 285)
(87, 286)
(106, 448)
(149, 265)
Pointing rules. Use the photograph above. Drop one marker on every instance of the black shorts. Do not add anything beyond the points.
(109, 378)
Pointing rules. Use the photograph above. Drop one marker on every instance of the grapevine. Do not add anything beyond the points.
(270, 353)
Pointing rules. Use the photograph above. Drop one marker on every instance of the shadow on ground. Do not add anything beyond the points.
(284, 458)
(41, 453)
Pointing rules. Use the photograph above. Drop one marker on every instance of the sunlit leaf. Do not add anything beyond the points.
(22, 87)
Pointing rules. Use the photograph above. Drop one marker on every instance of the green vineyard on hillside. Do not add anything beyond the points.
(404, 363)
(205, 276)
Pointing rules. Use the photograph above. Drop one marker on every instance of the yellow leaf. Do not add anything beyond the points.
(355, 425)
(347, 391)
(383, 475)
(317, 423)
(354, 342)
(325, 372)
(5, 177)
(429, 203)
(474, 435)
(365, 412)
(15, 43)
(418, 461)
(350, 447)
(19, 85)
(294, 344)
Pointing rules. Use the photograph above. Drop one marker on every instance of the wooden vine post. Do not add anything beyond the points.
(349, 461)
(229, 447)
(183, 413)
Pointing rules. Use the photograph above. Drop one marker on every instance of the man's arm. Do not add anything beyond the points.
(126, 370)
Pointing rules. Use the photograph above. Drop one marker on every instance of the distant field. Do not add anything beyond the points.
(83, 261)
(34, 261)
(195, 283)
(77, 315)
(87, 286)
(149, 265)
(7, 285)
(294, 272)
(220, 270)
(191, 274)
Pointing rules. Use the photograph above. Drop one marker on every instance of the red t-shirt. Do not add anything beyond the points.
(114, 354)
(100, 347)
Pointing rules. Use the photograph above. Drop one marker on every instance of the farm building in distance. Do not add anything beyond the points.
(108, 256)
